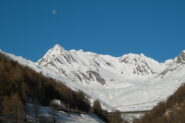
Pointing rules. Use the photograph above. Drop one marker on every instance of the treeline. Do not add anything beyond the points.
(171, 111)
(21, 84)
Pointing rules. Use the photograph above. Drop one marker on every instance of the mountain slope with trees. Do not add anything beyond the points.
(20, 85)
(170, 111)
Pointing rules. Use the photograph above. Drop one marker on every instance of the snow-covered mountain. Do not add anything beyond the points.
(128, 83)
(91, 68)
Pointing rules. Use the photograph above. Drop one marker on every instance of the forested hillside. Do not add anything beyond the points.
(20, 85)
(170, 111)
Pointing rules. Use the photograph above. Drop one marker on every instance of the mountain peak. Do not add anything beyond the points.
(181, 57)
(52, 53)
(56, 50)
(134, 57)
(58, 47)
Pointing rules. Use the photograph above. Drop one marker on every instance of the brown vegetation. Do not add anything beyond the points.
(21, 84)
(171, 111)
(116, 118)
(13, 110)
(103, 114)
(113, 117)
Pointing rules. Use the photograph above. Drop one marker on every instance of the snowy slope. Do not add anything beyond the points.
(129, 83)
(62, 117)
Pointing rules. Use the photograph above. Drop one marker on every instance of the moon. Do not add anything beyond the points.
(54, 11)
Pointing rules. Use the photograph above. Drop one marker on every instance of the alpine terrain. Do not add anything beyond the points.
(132, 82)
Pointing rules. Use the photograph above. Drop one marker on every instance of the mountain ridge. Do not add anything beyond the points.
(58, 46)
(100, 76)
(73, 57)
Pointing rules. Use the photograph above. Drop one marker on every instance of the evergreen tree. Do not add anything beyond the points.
(97, 107)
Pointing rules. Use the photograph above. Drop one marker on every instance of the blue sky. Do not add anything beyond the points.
(156, 28)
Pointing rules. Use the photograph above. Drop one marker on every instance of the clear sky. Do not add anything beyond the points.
(156, 28)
